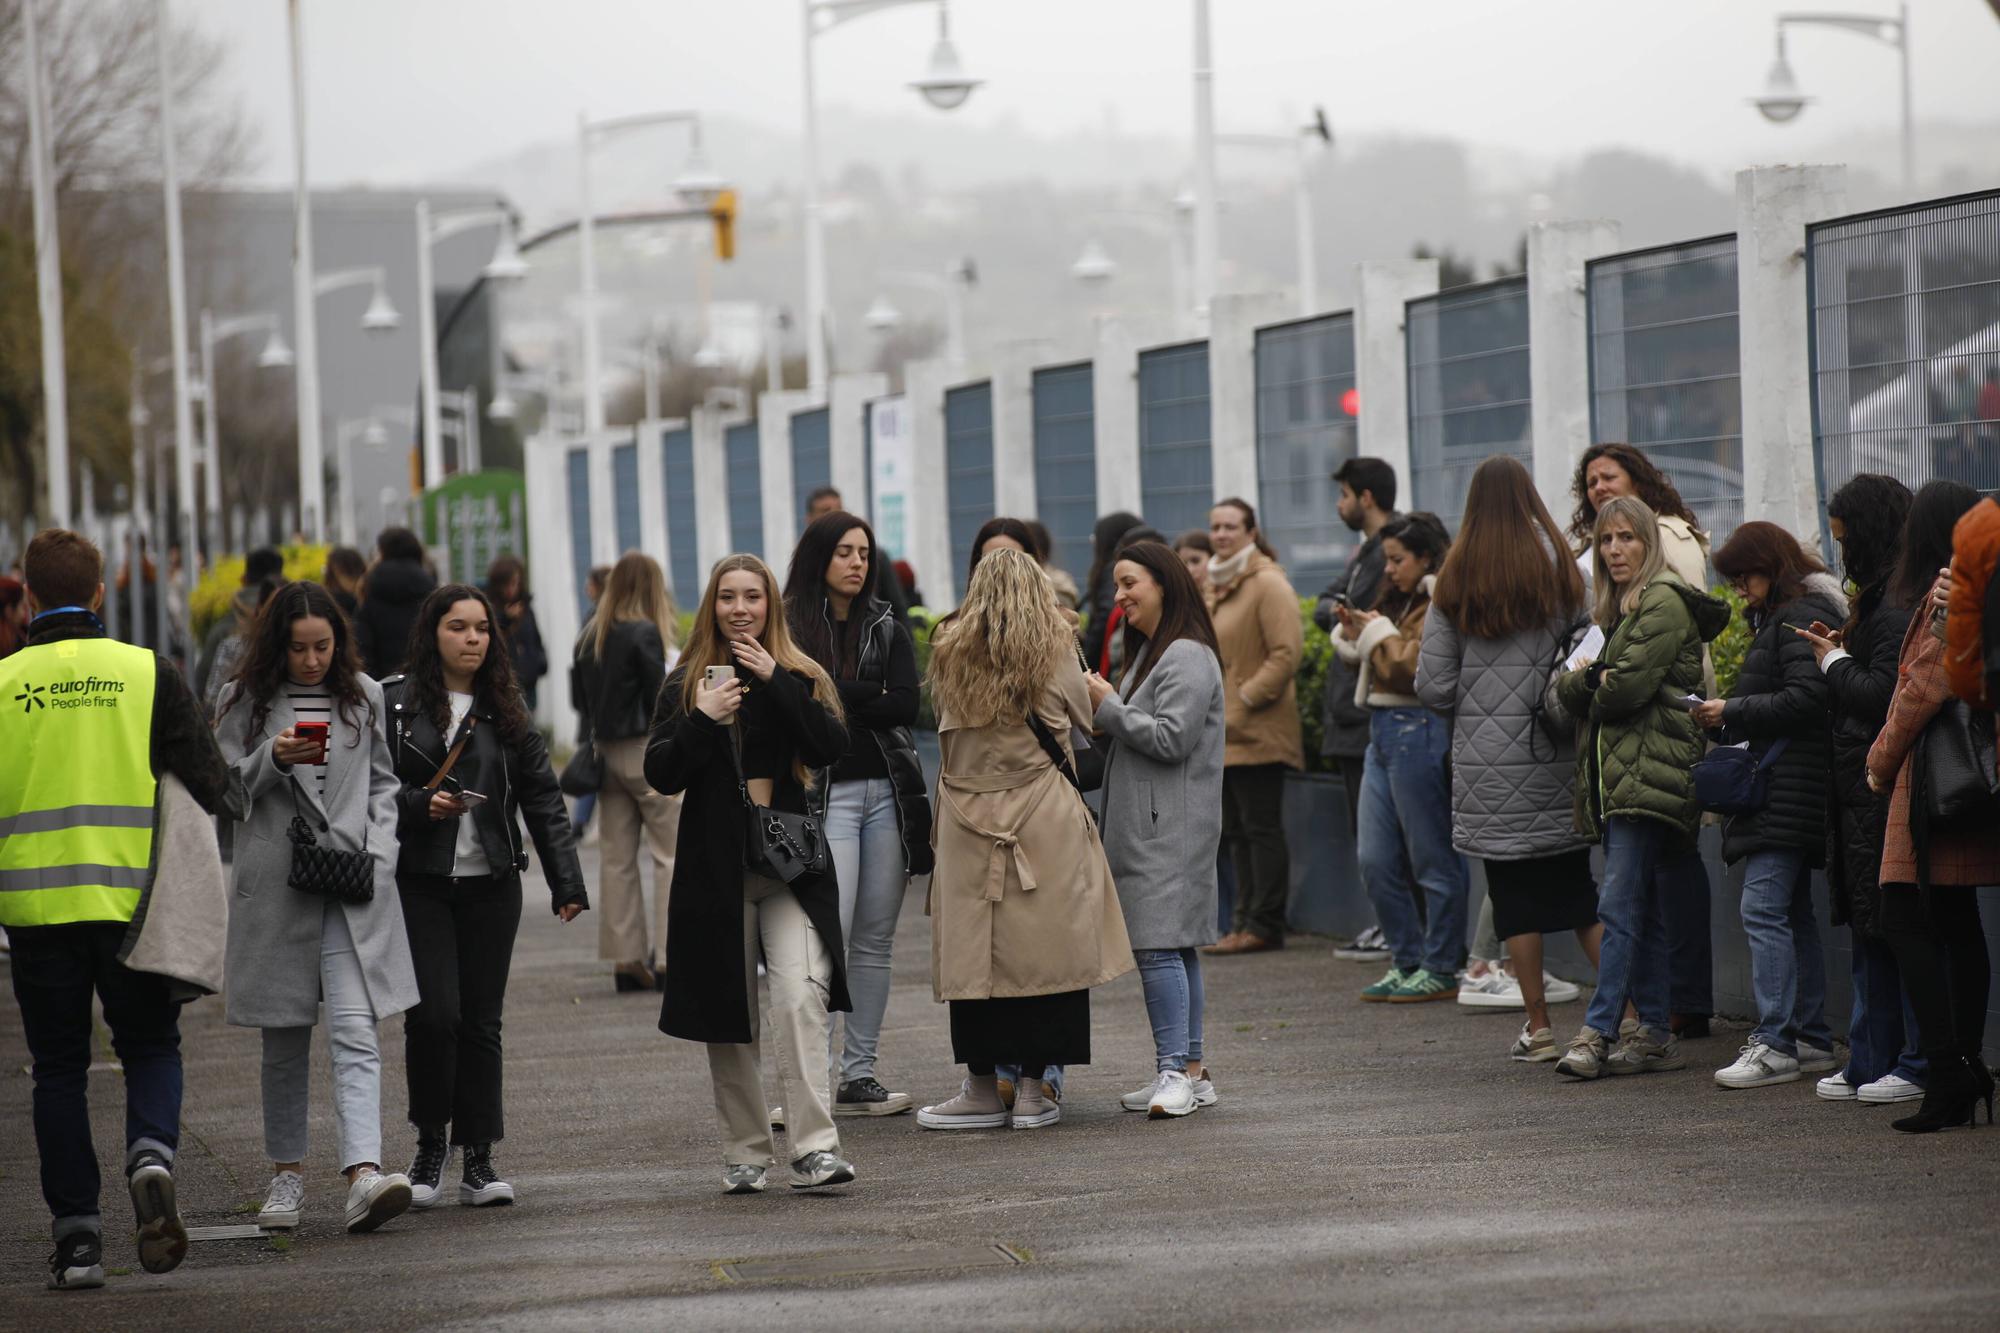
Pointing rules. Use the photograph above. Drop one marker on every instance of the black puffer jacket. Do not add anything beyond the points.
(390, 596)
(1859, 686)
(881, 698)
(615, 698)
(1780, 692)
(514, 776)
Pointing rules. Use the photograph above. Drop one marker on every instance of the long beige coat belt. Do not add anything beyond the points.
(1006, 845)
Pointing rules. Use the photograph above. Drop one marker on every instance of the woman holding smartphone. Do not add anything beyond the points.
(747, 714)
(304, 727)
(469, 759)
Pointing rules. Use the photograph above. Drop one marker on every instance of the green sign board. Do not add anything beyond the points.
(474, 517)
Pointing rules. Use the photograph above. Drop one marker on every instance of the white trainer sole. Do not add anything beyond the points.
(499, 1193)
(1479, 999)
(1767, 1081)
(274, 1219)
(897, 1104)
(930, 1120)
(392, 1200)
(1040, 1120)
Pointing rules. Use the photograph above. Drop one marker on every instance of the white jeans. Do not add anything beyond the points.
(352, 1041)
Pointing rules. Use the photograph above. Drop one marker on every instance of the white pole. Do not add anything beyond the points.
(816, 349)
(177, 312)
(427, 351)
(651, 351)
(312, 485)
(593, 402)
(1206, 238)
(1308, 240)
(774, 349)
(48, 282)
(343, 444)
(1909, 113)
(954, 322)
(471, 460)
(211, 449)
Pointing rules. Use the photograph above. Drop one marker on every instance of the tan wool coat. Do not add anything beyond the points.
(1261, 635)
(1021, 901)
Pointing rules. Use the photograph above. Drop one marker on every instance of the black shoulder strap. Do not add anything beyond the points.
(1054, 750)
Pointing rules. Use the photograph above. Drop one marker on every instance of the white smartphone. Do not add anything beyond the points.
(713, 677)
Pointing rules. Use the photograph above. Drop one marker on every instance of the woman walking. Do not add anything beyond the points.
(622, 659)
(469, 759)
(1163, 808)
(742, 723)
(1779, 707)
(1859, 660)
(1635, 751)
(1024, 916)
(1930, 898)
(878, 815)
(507, 592)
(1507, 604)
(304, 727)
(1257, 625)
(1405, 843)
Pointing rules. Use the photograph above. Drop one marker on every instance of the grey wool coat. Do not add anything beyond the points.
(272, 969)
(1163, 797)
(1512, 787)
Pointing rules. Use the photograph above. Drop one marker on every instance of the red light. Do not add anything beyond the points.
(1350, 402)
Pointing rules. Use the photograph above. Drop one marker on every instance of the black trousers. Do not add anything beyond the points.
(1942, 956)
(1253, 832)
(462, 942)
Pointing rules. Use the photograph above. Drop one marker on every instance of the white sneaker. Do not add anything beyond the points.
(1758, 1066)
(1889, 1088)
(1534, 1047)
(1205, 1094)
(283, 1203)
(375, 1198)
(1495, 990)
(1173, 1096)
(1816, 1059)
(1557, 991)
(1139, 1099)
(1370, 946)
(1834, 1088)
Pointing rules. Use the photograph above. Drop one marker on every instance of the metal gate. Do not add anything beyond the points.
(1066, 461)
(677, 478)
(1306, 412)
(1469, 395)
(745, 489)
(1176, 466)
(968, 469)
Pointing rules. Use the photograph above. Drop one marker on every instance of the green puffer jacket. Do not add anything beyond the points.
(1635, 751)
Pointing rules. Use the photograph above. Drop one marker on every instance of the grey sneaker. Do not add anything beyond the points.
(1585, 1055)
(283, 1203)
(1758, 1066)
(820, 1168)
(973, 1108)
(1032, 1109)
(743, 1178)
(1534, 1047)
(1205, 1094)
(1646, 1052)
(1816, 1059)
(162, 1240)
(1370, 946)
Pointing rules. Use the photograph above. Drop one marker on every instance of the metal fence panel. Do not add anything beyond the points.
(625, 495)
(1906, 343)
(1468, 359)
(1176, 469)
(1665, 369)
(812, 457)
(1065, 400)
(746, 493)
(968, 467)
(677, 474)
(1305, 429)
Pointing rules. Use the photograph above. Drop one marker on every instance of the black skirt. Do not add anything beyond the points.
(1543, 894)
(1031, 1030)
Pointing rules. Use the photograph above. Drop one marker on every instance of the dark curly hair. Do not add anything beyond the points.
(1872, 508)
(262, 673)
(494, 687)
(1649, 484)
(1423, 535)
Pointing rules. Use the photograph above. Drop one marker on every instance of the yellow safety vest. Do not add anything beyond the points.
(76, 781)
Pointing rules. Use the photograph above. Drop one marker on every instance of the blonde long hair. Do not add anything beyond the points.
(1001, 649)
(1607, 604)
(636, 590)
(707, 648)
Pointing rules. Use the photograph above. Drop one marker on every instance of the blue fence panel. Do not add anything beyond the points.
(1065, 407)
(746, 494)
(677, 470)
(625, 496)
(1905, 308)
(812, 458)
(1665, 369)
(578, 471)
(1468, 359)
(1176, 471)
(1305, 429)
(968, 469)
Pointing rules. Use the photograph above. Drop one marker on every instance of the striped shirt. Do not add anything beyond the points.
(311, 703)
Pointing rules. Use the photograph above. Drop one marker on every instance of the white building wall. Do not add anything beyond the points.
(924, 384)
(774, 469)
(1381, 359)
(1559, 348)
(1232, 387)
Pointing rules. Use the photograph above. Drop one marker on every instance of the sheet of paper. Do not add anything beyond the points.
(1587, 651)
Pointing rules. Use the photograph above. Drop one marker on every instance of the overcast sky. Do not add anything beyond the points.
(411, 90)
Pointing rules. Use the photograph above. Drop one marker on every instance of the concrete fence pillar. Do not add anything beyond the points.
(552, 574)
(1381, 359)
(712, 539)
(1115, 417)
(1013, 389)
(846, 427)
(603, 502)
(1559, 348)
(929, 535)
(1233, 322)
(774, 468)
(652, 490)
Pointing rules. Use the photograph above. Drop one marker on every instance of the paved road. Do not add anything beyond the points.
(1369, 1166)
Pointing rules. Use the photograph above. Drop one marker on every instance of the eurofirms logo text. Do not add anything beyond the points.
(83, 692)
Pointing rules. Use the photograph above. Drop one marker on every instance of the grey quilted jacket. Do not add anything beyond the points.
(1512, 788)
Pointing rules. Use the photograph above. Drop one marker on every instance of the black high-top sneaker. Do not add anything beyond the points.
(480, 1186)
(427, 1168)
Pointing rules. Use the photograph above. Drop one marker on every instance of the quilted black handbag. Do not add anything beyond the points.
(347, 877)
(779, 843)
(1955, 767)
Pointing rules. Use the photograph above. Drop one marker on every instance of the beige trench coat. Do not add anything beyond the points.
(1021, 901)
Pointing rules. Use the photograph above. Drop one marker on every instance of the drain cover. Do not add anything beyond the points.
(870, 1263)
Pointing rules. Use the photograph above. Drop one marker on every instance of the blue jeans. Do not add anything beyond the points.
(1405, 837)
(1053, 1076)
(1882, 1035)
(1787, 971)
(1632, 961)
(579, 818)
(1683, 878)
(872, 870)
(1174, 1003)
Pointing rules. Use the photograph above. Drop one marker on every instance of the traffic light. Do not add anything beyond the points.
(723, 211)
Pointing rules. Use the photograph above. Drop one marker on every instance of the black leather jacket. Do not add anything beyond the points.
(879, 712)
(627, 683)
(513, 777)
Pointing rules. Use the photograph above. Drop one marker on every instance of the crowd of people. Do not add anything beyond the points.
(1519, 695)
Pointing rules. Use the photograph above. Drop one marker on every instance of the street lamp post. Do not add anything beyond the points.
(1299, 145)
(312, 484)
(697, 186)
(1781, 100)
(1095, 266)
(48, 273)
(371, 434)
(275, 356)
(506, 265)
(1207, 237)
(944, 85)
(953, 285)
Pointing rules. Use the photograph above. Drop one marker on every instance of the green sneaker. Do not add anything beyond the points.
(1421, 985)
(1391, 982)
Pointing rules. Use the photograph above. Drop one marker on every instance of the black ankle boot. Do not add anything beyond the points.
(1951, 1090)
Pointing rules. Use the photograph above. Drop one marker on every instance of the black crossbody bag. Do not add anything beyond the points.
(778, 843)
(347, 877)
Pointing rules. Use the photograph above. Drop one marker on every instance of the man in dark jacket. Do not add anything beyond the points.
(393, 591)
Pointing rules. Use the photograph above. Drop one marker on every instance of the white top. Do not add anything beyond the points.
(468, 858)
(311, 703)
